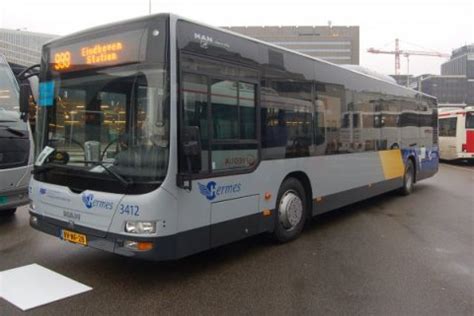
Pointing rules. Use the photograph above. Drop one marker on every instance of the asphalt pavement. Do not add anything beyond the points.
(389, 255)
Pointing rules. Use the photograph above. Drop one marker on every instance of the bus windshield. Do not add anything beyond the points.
(104, 107)
(114, 118)
(9, 99)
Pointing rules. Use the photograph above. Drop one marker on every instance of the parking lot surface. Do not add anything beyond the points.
(389, 255)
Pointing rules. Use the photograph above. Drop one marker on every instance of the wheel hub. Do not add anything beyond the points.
(290, 210)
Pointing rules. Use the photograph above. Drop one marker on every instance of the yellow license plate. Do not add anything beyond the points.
(74, 237)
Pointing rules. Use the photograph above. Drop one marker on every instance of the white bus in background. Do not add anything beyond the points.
(456, 133)
(16, 145)
(358, 131)
(363, 131)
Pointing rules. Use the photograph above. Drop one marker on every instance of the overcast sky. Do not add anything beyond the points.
(439, 25)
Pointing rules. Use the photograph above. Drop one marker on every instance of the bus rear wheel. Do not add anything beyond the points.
(291, 211)
(408, 178)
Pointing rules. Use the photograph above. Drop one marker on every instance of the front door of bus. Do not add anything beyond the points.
(223, 109)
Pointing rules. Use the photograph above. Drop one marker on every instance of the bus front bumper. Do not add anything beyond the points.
(13, 198)
(164, 248)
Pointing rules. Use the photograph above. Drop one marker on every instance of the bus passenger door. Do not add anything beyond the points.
(218, 150)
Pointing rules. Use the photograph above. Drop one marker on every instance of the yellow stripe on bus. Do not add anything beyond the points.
(392, 163)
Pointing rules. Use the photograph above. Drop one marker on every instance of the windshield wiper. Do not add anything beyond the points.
(122, 180)
(40, 169)
(43, 168)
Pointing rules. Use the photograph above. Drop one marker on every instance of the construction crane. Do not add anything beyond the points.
(406, 53)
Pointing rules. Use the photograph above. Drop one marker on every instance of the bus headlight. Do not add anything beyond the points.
(139, 227)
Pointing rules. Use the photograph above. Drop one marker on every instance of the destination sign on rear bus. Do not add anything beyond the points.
(123, 48)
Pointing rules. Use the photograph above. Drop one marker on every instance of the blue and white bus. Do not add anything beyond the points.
(16, 146)
(161, 137)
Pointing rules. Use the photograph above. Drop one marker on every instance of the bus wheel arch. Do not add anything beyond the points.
(304, 180)
(292, 207)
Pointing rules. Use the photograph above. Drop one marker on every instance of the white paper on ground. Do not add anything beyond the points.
(33, 285)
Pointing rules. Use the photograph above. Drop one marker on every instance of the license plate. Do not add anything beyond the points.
(3, 199)
(74, 237)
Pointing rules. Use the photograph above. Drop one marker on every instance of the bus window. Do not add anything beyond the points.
(194, 98)
(469, 119)
(247, 110)
(225, 112)
(346, 121)
(234, 125)
(355, 120)
(331, 98)
(389, 120)
(447, 127)
(318, 128)
(368, 120)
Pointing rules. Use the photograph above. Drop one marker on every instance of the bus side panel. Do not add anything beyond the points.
(340, 199)
(426, 160)
(470, 141)
(337, 180)
(375, 173)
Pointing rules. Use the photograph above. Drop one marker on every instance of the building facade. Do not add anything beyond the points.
(336, 44)
(461, 63)
(455, 85)
(449, 90)
(22, 48)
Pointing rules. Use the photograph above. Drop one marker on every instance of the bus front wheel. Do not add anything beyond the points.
(408, 178)
(291, 211)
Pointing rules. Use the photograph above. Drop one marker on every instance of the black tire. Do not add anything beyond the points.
(8, 212)
(289, 225)
(408, 179)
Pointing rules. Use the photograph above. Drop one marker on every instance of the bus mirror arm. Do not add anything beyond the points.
(28, 79)
(24, 100)
(183, 181)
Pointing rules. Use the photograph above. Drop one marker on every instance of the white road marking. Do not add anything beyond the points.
(33, 285)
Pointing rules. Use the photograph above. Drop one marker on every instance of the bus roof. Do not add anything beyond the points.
(177, 17)
(456, 110)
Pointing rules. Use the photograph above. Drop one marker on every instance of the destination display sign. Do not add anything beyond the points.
(122, 48)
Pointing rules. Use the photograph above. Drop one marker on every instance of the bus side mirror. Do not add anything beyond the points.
(34, 87)
(24, 100)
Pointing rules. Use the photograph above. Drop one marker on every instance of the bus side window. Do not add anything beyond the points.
(194, 99)
(233, 109)
(447, 127)
(318, 128)
(225, 111)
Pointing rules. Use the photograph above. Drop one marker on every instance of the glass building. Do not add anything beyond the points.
(455, 85)
(22, 48)
(461, 63)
